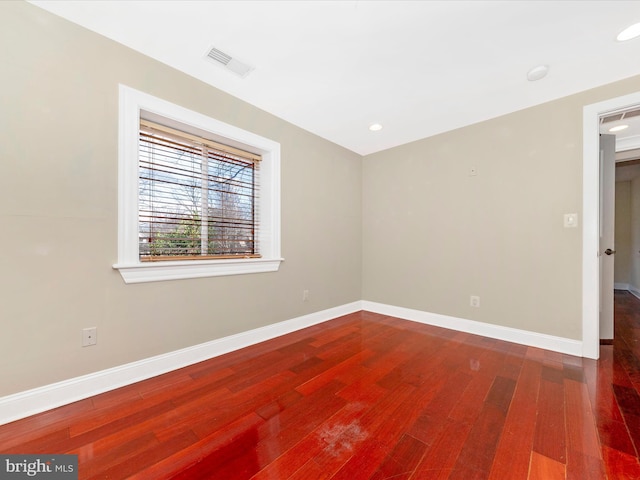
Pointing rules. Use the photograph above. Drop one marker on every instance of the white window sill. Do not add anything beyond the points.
(160, 271)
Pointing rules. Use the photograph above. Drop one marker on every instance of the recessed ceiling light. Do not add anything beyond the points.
(374, 127)
(536, 73)
(628, 33)
(618, 128)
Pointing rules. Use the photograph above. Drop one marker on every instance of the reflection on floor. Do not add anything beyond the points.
(364, 396)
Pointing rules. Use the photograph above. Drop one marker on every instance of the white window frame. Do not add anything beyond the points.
(133, 105)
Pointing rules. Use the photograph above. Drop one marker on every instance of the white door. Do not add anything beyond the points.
(607, 227)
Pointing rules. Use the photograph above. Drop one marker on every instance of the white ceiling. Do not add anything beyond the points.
(417, 67)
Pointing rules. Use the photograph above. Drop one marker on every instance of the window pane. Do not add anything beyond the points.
(231, 201)
(194, 201)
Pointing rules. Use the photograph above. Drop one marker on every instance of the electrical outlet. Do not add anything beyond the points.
(89, 336)
(474, 301)
(305, 295)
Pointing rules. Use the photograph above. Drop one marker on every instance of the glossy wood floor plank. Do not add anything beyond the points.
(582, 434)
(513, 453)
(545, 468)
(550, 437)
(364, 396)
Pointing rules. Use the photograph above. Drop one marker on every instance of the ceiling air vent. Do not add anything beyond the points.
(612, 118)
(620, 116)
(228, 62)
(632, 113)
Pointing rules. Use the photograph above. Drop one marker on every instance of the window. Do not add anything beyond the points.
(197, 197)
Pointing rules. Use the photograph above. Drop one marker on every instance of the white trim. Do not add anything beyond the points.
(634, 291)
(523, 337)
(37, 400)
(628, 143)
(590, 216)
(158, 271)
(132, 103)
(621, 286)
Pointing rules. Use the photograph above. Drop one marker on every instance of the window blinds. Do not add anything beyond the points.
(197, 198)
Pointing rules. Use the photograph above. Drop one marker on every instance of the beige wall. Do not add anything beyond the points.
(58, 207)
(434, 235)
(623, 233)
(634, 274)
(408, 226)
(627, 267)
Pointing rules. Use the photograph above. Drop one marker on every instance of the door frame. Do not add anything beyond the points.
(590, 217)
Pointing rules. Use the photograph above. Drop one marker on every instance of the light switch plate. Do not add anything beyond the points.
(570, 220)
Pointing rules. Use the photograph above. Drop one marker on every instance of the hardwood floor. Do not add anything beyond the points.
(364, 397)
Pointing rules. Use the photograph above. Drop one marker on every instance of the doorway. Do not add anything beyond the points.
(591, 217)
(627, 223)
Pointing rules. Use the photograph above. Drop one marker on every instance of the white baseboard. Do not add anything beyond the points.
(523, 337)
(621, 286)
(634, 291)
(37, 400)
